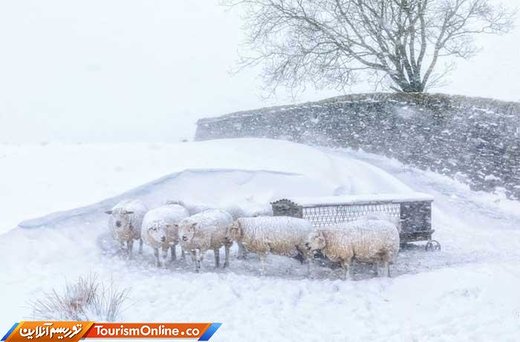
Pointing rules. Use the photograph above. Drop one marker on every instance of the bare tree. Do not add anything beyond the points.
(333, 42)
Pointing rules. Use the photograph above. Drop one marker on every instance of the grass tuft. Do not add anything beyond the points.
(86, 299)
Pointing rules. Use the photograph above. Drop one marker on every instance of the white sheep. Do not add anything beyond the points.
(125, 222)
(192, 207)
(365, 240)
(279, 235)
(160, 229)
(247, 209)
(396, 220)
(204, 231)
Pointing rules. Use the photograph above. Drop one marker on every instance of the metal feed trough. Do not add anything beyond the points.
(414, 211)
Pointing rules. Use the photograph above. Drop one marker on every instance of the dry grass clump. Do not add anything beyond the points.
(86, 299)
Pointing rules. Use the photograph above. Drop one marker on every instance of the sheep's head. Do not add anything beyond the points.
(119, 218)
(171, 230)
(156, 232)
(187, 231)
(233, 232)
(172, 227)
(315, 241)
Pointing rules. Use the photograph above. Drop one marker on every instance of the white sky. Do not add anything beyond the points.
(144, 70)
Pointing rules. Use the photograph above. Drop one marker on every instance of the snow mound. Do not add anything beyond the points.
(38, 180)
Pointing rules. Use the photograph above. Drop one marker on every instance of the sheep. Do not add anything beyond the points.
(204, 231)
(396, 220)
(279, 235)
(366, 240)
(247, 209)
(125, 222)
(244, 209)
(160, 229)
(193, 208)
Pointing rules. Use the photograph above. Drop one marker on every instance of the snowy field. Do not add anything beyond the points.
(466, 292)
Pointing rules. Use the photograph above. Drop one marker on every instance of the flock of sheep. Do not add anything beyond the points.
(372, 239)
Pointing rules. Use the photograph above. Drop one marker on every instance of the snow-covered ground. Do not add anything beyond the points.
(466, 292)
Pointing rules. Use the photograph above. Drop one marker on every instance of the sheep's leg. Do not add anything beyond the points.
(262, 263)
(197, 260)
(140, 246)
(183, 254)
(156, 253)
(193, 256)
(386, 267)
(216, 251)
(382, 269)
(173, 252)
(226, 256)
(130, 244)
(242, 252)
(347, 269)
(165, 254)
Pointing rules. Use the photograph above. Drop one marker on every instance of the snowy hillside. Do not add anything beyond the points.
(468, 291)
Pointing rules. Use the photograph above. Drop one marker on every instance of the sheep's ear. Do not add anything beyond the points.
(193, 225)
(108, 212)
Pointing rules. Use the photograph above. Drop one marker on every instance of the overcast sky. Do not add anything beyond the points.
(144, 70)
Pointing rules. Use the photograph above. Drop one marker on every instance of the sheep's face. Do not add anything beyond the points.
(315, 241)
(119, 218)
(156, 232)
(172, 228)
(187, 231)
(233, 232)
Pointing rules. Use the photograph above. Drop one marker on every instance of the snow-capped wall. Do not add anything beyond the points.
(475, 140)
